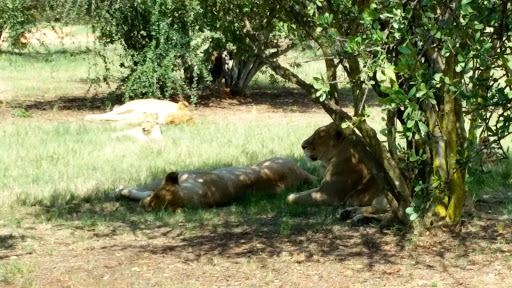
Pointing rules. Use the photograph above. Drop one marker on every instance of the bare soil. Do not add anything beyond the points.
(67, 254)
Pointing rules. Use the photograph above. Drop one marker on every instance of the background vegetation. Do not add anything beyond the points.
(433, 64)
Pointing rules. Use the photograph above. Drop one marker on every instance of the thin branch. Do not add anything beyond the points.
(362, 102)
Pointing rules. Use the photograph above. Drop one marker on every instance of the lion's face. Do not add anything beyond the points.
(149, 122)
(323, 144)
(164, 196)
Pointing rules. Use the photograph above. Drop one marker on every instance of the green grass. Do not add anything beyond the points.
(62, 159)
(47, 73)
(494, 177)
(16, 273)
(66, 170)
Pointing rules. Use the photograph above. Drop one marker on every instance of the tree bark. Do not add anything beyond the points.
(455, 176)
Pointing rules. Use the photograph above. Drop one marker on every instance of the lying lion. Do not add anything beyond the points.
(198, 188)
(168, 112)
(149, 129)
(347, 179)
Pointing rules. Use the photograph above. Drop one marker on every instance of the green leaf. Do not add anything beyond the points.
(412, 92)
(389, 71)
(386, 89)
(386, 101)
(445, 51)
(410, 123)
(421, 93)
(407, 112)
(423, 127)
(459, 67)
(508, 81)
(413, 216)
(404, 50)
(318, 85)
(409, 210)
(479, 26)
(369, 15)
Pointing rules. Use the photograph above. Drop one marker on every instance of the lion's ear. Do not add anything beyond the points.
(182, 106)
(171, 178)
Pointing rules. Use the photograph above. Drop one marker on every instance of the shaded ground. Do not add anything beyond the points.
(241, 255)
(238, 253)
(260, 104)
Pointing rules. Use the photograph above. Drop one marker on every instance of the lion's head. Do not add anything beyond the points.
(324, 143)
(181, 115)
(149, 123)
(166, 196)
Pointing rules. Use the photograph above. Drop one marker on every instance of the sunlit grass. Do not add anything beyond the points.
(82, 158)
(16, 273)
(68, 169)
(53, 71)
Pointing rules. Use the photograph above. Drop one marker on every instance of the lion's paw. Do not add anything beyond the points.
(116, 193)
(290, 198)
(347, 213)
(362, 219)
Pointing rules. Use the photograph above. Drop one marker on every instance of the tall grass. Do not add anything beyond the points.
(69, 159)
(69, 168)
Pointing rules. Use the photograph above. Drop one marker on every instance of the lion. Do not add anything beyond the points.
(149, 129)
(199, 188)
(168, 112)
(347, 179)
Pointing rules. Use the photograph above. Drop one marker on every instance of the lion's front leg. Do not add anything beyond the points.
(137, 193)
(313, 196)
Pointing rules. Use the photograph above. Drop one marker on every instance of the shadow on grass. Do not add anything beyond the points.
(264, 226)
(261, 226)
(44, 53)
(75, 103)
(286, 99)
(98, 208)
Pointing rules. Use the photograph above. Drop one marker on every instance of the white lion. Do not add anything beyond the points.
(132, 112)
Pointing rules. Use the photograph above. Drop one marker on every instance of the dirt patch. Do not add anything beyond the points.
(45, 36)
(258, 105)
(254, 256)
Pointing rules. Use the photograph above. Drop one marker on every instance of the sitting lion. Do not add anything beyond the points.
(168, 112)
(199, 188)
(149, 129)
(347, 179)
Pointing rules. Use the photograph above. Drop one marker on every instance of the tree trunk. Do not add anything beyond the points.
(456, 187)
